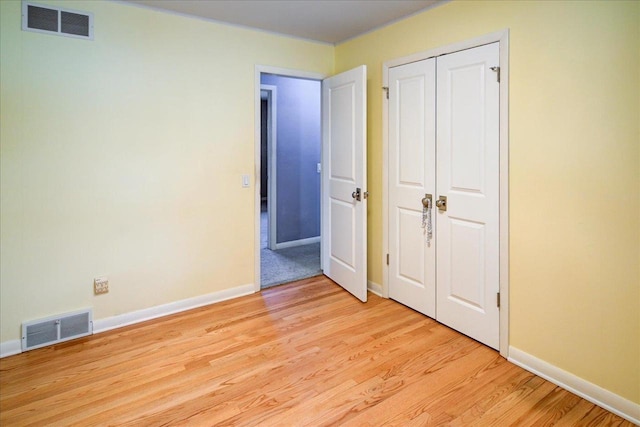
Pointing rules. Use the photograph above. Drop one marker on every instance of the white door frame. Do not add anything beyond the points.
(503, 38)
(260, 69)
(272, 144)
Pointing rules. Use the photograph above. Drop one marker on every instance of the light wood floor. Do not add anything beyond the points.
(301, 354)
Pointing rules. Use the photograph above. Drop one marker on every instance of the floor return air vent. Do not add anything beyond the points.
(56, 329)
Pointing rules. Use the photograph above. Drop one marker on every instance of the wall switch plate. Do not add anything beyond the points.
(319, 167)
(100, 285)
(245, 181)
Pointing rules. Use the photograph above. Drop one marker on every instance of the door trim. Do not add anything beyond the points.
(503, 38)
(272, 159)
(266, 69)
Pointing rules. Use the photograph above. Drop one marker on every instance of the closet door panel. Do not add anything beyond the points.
(467, 235)
(411, 176)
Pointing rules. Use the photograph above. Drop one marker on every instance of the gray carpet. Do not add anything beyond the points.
(286, 265)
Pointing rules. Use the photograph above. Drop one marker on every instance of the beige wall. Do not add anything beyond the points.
(122, 157)
(574, 171)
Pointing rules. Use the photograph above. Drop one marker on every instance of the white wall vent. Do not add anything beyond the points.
(56, 329)
(55, 20)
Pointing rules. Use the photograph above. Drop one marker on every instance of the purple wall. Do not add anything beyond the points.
(298, 152)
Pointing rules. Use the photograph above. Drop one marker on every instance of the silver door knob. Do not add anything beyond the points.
(357, 194)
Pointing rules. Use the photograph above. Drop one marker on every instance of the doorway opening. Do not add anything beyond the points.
(290, 178)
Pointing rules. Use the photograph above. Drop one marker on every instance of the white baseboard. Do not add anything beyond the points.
(576, 385)
(109, 323)
(374, 288)
(9, 348)
(301, 242)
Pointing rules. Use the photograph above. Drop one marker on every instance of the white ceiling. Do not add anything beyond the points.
(329, 21)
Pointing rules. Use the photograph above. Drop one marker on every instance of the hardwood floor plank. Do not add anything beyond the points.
(517, 403)
(306, 353)
(451, 403)
(472, 407)
(424, 386)
(550, 409)
(341, 366)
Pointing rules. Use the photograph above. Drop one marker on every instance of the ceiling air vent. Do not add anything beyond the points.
(52, 330)
(56, 20)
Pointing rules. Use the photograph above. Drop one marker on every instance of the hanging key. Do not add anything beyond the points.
(426, 216)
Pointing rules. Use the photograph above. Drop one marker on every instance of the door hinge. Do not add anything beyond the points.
(497, 70)
(387, 259)
(498, 299)
(386, 89)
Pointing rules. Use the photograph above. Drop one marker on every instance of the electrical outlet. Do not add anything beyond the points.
(100, 285)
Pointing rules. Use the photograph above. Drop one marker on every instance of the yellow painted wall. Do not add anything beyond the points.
(574, 171)
(122, 157)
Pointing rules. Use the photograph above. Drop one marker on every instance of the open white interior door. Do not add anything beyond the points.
(344, 180)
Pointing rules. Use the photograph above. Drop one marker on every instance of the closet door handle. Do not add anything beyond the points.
(357, 194)
(441, 203)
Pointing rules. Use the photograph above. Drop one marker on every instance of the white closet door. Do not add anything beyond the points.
(411, 177)
(467, 236)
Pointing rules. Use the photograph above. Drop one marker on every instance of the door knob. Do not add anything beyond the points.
(357, 194)
(441, 203)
